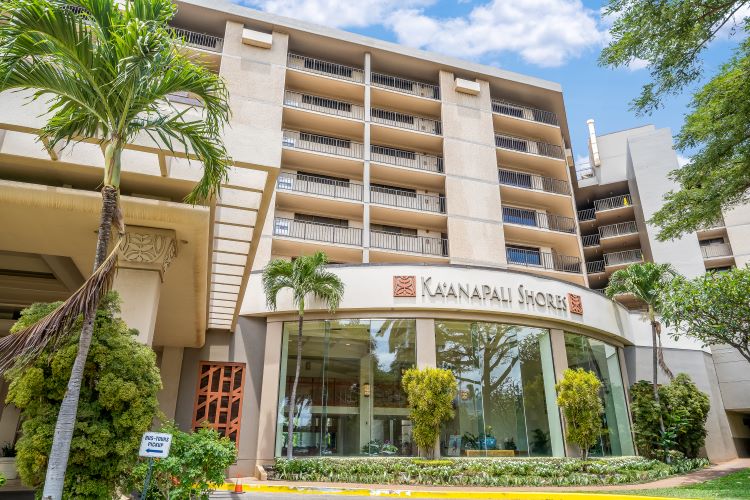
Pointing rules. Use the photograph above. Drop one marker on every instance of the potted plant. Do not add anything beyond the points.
(487, 440)
(388, 449)
(8, 461)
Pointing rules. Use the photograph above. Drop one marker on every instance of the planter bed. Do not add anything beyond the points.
(480, 471)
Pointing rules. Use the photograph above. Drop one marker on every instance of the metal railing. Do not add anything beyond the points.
(199, 40)
(525, 217)
(322, 144)
(533, 181)
(408, 243)
(619, 229)
(404, 199)
(590, 240)
(716, 250)
(404, 158)
(406, 121)
(326, 68)
(624, 257)
(315, 231)
(527, 113)
(311, 184)
(544, 260)
(524, 145)
(585, 173)
(406, 86)
(594, 267)
(587, 214)
(623, 200)
(323, 105)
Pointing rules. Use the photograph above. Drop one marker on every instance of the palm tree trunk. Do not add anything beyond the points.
(655, 384)
(293, 396)
(57, 462)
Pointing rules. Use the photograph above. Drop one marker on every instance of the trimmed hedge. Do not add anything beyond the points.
(481, 471)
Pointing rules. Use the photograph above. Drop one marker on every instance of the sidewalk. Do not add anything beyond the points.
(516, 492)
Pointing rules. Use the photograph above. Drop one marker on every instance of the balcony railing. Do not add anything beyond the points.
(533, 181)
(543, 260)
(200, 40)
(619, 229)
(322, 144)
(405, 199)
(524, 145)
(408, 243)
(518, 111)
(399, 84)
(323, 105)
(311, 184)
(406, 121)
(624, 257)
(716, 250)
(315, 231)
(325, 68)
(595, 267)
(585, 173)
(590, 240)
(404, 158)
(623, 200)
(586, 214)
(525, 217)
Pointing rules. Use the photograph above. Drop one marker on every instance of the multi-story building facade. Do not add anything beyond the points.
(441, 190)
(617, 193)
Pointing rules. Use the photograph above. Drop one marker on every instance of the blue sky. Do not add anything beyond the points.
(558, 40)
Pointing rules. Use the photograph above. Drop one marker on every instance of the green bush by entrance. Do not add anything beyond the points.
(481, 471)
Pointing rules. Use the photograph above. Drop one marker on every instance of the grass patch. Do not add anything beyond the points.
(480, 471)
(734, 485)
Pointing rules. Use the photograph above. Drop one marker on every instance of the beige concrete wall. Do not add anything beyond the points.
(472, 191)
(737, 222)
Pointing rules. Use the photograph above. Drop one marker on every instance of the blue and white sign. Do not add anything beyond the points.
(155, 445)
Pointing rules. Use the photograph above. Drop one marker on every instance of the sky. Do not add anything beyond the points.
(557, 40)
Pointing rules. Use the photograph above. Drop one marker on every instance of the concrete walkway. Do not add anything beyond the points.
(711, 472)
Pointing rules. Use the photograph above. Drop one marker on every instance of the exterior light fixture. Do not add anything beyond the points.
(366, 390)
(464, 395)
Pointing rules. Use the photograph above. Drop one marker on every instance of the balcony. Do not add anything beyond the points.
(321, 186)
(543, 260)
(586, 215)
(199, 40)
(322, 144)
(524, 112)
(525, 121)
(613, 203)
(406, 121)
(323, 105)
(532, 181)
(623, 258)
(303, 230)
(590, 240)
(408, 167)
(325, 68)
(325, 78)
(529, 146)
(399, 207)
(423, 245)
(716, 250)
(407, 130)
(525, 188)
(539, 156)
(619, 229)
(405, 86)
(541, 220)
(404, 199)
(595, 267)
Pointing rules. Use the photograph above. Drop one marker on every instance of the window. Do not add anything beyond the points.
(324, 102)
(519, 216)
(384, 188)
(318, 219)
(523, 255)
(218, 399)
(325, 140)
(711, 241)
(406, 231)
(392, 116)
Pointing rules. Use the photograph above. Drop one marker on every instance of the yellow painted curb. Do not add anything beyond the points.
(403, 493)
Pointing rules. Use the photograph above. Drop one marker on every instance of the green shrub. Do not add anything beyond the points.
(196, 461)
(481, 471)
(2, 480)
(579, 400)
(684, 409)
(117, 404)
(430, 393)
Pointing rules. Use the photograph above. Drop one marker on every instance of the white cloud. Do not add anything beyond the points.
(336, 13)
(682, 160)
(542, 32)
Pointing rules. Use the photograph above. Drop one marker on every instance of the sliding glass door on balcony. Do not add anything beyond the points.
(519, 216)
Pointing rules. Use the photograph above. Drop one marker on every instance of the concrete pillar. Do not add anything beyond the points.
(560, 360)
(269, 395)
(145, 255)
(366, 172)
(171, 368)
(426, 349)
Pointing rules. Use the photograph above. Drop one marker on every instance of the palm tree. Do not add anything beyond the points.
(647, 282)
(305, 276)
(106, 69)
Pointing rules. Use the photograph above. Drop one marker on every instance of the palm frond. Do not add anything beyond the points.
(19, 348)
(277, 275)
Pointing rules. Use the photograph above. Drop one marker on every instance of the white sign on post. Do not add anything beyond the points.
(155, 445)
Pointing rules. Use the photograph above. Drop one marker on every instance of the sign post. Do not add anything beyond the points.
(153, 445)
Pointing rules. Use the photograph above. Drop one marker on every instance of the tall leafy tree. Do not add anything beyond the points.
(647, 282)
(578, 398)
(305, 277)
(670, 36)
(106, 71)
(713, 308)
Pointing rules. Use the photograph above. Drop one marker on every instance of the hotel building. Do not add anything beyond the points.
(445, 195)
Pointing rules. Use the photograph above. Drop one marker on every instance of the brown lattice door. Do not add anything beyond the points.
(218, 400)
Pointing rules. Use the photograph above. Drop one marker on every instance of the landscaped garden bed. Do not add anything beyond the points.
(481, 471)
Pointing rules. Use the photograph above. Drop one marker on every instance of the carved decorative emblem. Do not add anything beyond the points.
(404, 286)
(150, 248)
(575, 303)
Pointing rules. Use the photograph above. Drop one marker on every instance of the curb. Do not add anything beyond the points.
(405, 493)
